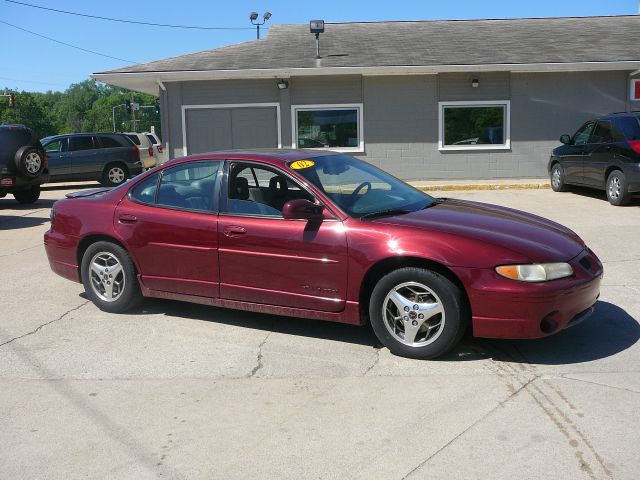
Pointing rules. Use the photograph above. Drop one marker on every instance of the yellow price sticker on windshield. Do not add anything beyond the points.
(300, 164)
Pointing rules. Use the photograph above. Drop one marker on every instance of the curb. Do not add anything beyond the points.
(506, 186)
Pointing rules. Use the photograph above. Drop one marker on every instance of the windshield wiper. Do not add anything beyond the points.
(383, 213)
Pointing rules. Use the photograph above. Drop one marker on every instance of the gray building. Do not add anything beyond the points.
(423, 100)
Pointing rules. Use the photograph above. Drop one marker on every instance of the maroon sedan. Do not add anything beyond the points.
(324, 236)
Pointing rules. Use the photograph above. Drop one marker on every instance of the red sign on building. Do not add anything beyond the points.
(635, 90)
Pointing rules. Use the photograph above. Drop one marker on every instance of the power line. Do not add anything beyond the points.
(67, 44)
(165, 25)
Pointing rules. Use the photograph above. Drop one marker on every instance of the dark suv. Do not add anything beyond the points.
(110, 158)
(603, 154)
(23, 163)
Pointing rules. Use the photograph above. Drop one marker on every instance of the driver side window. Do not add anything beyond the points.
(256, 190)
(582, 136)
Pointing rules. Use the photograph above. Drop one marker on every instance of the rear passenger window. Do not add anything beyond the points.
(189, 186)
(80, 143)
(152, 140)
(108, 142)
(145, 191)
(603, 133)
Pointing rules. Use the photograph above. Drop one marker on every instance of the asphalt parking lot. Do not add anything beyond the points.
(174, 390)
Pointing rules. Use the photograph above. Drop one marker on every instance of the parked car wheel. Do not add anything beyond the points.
(29, 161)
(617, 189)
(114, 174)
(417, 313)
(109, 277)
(557, 178)
(27, 195)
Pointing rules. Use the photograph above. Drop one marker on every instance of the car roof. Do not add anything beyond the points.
(276, 156)
(634, 113)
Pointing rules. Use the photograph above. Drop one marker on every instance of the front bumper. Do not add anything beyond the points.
(503, 308)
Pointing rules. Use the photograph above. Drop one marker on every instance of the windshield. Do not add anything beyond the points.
(359, 188)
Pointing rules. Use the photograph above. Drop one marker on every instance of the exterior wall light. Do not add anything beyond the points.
(283, 84)
(475, 82)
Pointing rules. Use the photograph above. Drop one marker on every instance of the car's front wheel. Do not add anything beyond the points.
(109, 277)
(557, 178)
(617, 189)
(27, 195)
(418, 313)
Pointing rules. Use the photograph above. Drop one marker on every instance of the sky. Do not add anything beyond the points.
(35, 64)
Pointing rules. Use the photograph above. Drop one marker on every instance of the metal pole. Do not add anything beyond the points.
(317, 45)
(113, 116)
(258, 31)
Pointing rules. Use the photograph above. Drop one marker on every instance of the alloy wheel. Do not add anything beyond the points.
(107, 276)
(555, 177)
(413, 314)
(614, 187)
(33, 162)
(116, 175)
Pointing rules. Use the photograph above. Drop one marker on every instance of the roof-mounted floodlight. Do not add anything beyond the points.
(317, 27)
(254, 17)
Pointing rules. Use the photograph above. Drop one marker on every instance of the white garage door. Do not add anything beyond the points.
(224, 128)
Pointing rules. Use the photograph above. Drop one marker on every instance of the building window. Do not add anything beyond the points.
(334, 127)
(474, 125)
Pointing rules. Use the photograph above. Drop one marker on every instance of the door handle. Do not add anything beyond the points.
(234, 231)
(127, 218)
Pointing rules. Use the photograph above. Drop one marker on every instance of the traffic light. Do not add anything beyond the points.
(12, 101)
(158, 106)
(128, 104)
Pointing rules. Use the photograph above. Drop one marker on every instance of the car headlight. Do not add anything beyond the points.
(536, 272)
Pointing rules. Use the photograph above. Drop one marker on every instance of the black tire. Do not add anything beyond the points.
(557, 178)
(454, 320)
(617, 189)
(114, 174)
(29, 161)
(127, 294)
(27, 195)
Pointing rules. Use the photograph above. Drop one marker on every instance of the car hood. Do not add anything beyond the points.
(534, 237)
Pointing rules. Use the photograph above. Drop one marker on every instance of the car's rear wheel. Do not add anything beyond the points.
(417, 313)
(109, 277)
(617, 189)
(114, 174)
(27, 195)
(29, 161)
(557, 178)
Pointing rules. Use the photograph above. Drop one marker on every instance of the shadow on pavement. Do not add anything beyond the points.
(260, 321)
(601, 195)
(64, 186)
(609, 331)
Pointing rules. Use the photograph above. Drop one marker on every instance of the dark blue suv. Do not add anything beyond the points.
(603, 154)
(109, 158)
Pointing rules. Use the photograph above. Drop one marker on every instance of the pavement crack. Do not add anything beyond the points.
(259, 363)
(375, 361)
(565, 377)
(20, 251)
(36, 330)
(474, 424)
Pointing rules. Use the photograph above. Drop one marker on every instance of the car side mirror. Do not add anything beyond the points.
(302, 209)
(565, 139)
